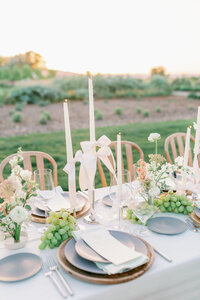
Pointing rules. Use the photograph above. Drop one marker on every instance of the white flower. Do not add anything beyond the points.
(13, 162)
(154, 191)
(6, 220)
(19, 193)
(17, 169)
(18, 214)
(179, 161)
(25, 175)
(154, 137)
(195, 126)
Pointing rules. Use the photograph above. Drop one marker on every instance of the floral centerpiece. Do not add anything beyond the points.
(153, 175)
(15, 193)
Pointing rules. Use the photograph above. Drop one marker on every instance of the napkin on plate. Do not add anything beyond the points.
(58, 201)
(121, 257)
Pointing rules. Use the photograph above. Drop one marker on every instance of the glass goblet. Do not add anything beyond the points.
(144, 212)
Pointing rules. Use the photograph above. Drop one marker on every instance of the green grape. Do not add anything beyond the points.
(70, 233)
(173, 205)
(49, 236)
(178, 203)
(176, 210)
(185, 211)
(160, 202)
(49, 220)
(55, 221)
(189, 209)
(170, 192)
(71, 226)
(181, 209)
(174, 198)
(167, 198)
(52, 228)
(65, 215)
(57, 227)
(133, 220)
(54, 241)
(61, 231)
(169, 209)
(52, 213)
(47, 242)
(139, 222)
(51, 246)
(184, 202)
(65, 236)
(162, 208)
(42, 246)
(62, 223)
(71, 219)
(166, 204)
(57, 236)
(59, 214)
(42, 238)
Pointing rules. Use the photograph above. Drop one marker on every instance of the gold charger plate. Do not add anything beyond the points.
(101, 278)
(194, 218)
(79, 214)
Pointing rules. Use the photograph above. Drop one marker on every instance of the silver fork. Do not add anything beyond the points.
(49, 273)
(191, 226)
(54, 267)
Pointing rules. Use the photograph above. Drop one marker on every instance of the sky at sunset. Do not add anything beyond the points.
(107, 36)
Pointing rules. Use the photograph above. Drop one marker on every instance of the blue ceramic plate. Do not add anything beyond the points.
(166, 225)
(19, 266)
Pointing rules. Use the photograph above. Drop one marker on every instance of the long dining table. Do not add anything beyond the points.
(179, 279)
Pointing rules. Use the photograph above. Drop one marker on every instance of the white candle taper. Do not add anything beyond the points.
(119, 165)
(196, 148)
(69, 150)
(186, 154)
(91, 110)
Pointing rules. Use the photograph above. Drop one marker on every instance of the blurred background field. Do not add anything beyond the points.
(31, 97)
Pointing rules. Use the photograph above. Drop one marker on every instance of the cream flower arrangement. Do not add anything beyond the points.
(15, 193)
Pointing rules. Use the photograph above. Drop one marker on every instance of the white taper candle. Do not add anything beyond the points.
(68, 139)
(119, 164)
(91, 110)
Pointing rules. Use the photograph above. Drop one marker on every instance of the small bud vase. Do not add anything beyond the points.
(11, 244)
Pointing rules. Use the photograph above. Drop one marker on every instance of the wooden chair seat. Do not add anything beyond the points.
(175, 146)
(129, 147)
(39, 156)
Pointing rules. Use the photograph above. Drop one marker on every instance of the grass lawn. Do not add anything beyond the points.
(54, 143)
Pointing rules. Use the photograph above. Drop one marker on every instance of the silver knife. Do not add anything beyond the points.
(169, 259)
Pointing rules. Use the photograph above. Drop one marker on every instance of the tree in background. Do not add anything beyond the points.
(158, 71)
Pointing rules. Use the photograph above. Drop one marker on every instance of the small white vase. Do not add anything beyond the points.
(12, 245)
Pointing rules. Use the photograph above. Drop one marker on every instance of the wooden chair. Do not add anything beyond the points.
(176, 143)
(40, 157)
(129, 147)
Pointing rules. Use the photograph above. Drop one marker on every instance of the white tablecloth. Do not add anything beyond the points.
(177, 280)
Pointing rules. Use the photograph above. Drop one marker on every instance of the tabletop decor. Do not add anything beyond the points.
(196, 148)
(104, 278)
(70, 170)
(15, 193)
(172, 202)
(62, 225)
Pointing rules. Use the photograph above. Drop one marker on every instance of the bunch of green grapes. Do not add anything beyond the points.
(62, 225)
(132, 217)
(172, 202)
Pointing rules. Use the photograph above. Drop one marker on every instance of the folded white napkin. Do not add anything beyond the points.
(58, 201)
(121, 257)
